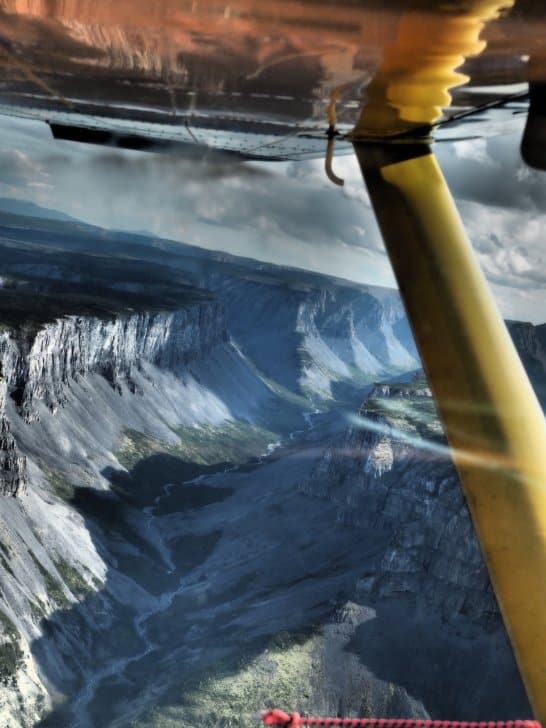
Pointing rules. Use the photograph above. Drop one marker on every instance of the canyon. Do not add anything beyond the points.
(225, 487)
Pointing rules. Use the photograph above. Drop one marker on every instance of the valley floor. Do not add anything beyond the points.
(250, 604)
(237, 561)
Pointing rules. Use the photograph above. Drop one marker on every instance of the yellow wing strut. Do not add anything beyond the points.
(491, 416)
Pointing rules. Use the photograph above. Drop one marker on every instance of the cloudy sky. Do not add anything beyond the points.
(288, 212)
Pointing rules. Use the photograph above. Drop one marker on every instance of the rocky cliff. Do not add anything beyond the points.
(38, 366)
(320, 339)
(530, 341)
(45, 362)
(81, 395)
(393, 473)
(390, 477)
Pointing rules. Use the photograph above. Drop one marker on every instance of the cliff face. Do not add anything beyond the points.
(39, 366)
(13, 466)
(69, 390)
(392, 473)
(77, 346)
(530, 342)
(529, 339)
(319, 340)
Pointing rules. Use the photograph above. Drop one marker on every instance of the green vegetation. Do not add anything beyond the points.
(280, 676)
(283, 392)
(10, 658)
(233, 442)
(54, 587)
(73, 579)
(5, 556)
(55, 591)
(60, 484)
(415, 414)
(97, 583)
(10, 652)
(37, 609)
(8, 627)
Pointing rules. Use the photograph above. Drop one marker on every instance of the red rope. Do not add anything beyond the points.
(279, 718)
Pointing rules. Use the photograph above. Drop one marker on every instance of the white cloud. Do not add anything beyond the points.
(288, 213)
(476, 151)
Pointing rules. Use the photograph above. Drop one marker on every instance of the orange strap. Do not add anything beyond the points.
(293, 720)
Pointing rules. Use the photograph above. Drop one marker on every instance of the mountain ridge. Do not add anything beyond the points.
(168, 434)
(147, 240)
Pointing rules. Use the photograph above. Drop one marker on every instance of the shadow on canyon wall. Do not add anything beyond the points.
(202, 587)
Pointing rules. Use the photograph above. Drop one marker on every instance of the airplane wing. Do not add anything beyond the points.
(259, 80)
